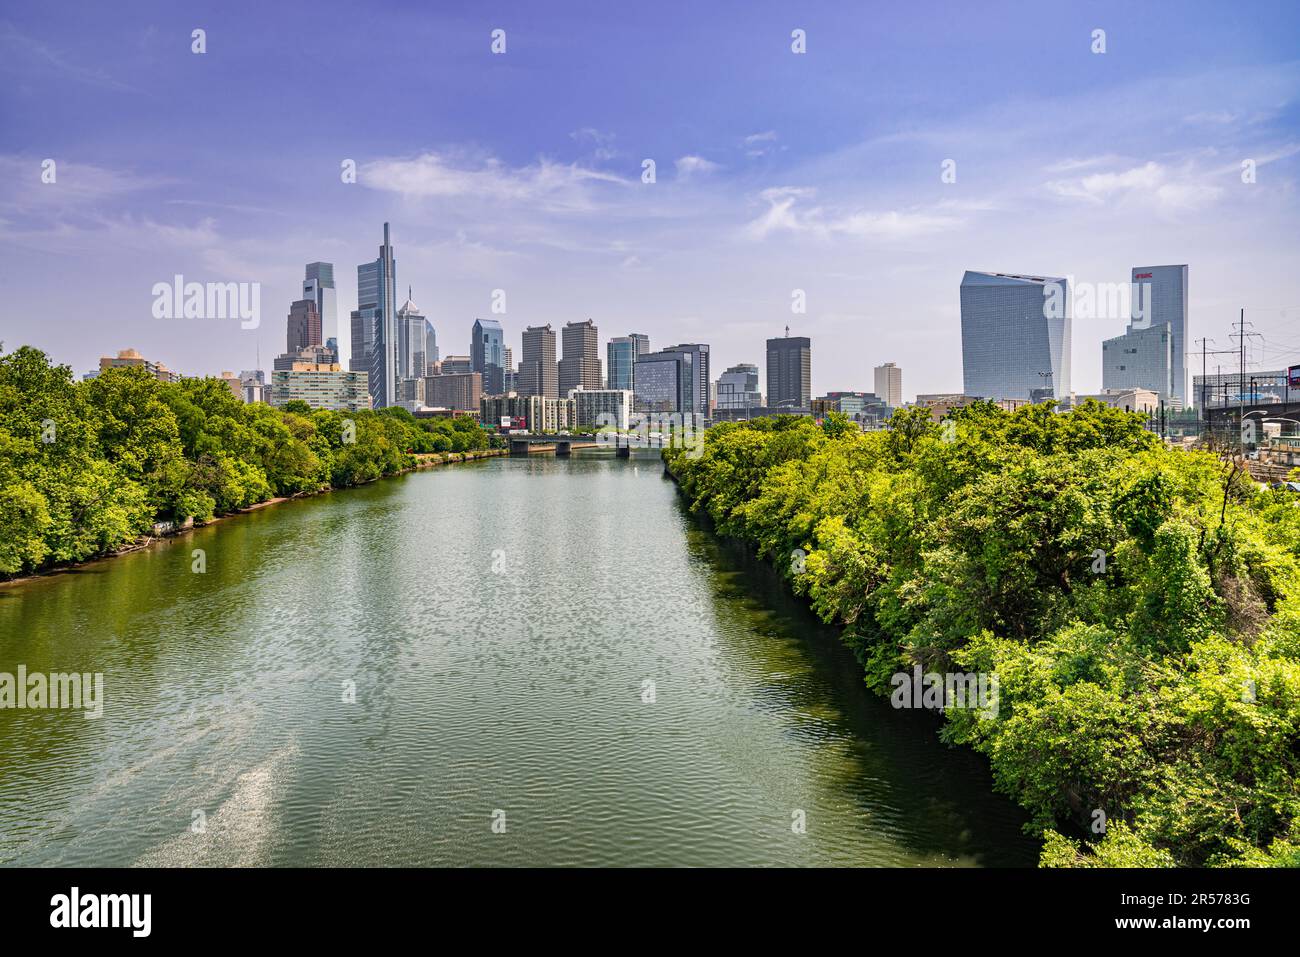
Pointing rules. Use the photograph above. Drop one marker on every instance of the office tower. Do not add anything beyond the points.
(621, 353)
(696, 390)
(538, 373)
(412, 340)
(663, 381)
(304, 326)
(1015, 335)
(487, 353)
(789, 373)
(889, 384)
(580, 367)
(1152, 352)
(738, 390)
(319, 287)
(374, 325)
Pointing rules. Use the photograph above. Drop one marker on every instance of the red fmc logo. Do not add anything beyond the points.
(1142, 275)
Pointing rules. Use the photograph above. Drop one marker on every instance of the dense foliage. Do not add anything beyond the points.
(1139, 605)
(87, 467)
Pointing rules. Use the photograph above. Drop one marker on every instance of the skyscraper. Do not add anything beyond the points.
(304, 326)
(889, 384)
(538, 373)
(374, 325)
(412, 341)
(1015, 335)
(319, 287)
(580, 367)
(696, 390)
(620, 354)
(1152, 353)
(487, 353)
(789, 373)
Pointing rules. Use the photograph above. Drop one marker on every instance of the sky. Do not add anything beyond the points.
(908, 143)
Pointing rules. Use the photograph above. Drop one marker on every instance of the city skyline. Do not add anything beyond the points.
(530, 182)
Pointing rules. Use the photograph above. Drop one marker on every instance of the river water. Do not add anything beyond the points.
(512, 662)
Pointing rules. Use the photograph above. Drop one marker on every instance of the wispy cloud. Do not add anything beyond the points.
(545, 184)
(787, 212)
(24, 55)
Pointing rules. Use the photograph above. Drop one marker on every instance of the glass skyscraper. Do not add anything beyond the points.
(620, 356)
(374, 325)
(1015, 335)
(487, 354)
(319, 286)
(1152, 353)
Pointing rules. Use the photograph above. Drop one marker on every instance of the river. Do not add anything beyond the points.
(530, 661)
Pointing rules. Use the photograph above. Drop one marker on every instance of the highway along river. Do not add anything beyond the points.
(513, 662)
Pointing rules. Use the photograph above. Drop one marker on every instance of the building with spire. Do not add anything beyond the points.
(374, 325)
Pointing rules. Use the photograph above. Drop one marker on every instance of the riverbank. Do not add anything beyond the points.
(163, 533)
(1116, 595)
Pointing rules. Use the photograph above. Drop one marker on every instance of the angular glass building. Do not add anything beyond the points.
(1015, 335)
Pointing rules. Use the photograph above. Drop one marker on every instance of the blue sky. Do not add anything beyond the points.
(775, 171)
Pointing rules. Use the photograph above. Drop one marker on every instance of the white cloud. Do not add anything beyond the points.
(689, 166)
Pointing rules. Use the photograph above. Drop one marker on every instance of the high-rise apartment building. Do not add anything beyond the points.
(538, 372)
(580, 366)
(487, 353)
(889, 384)
(374, 325)
(1015, 335)
(304, 329)
(621, 354)
(789, 373)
